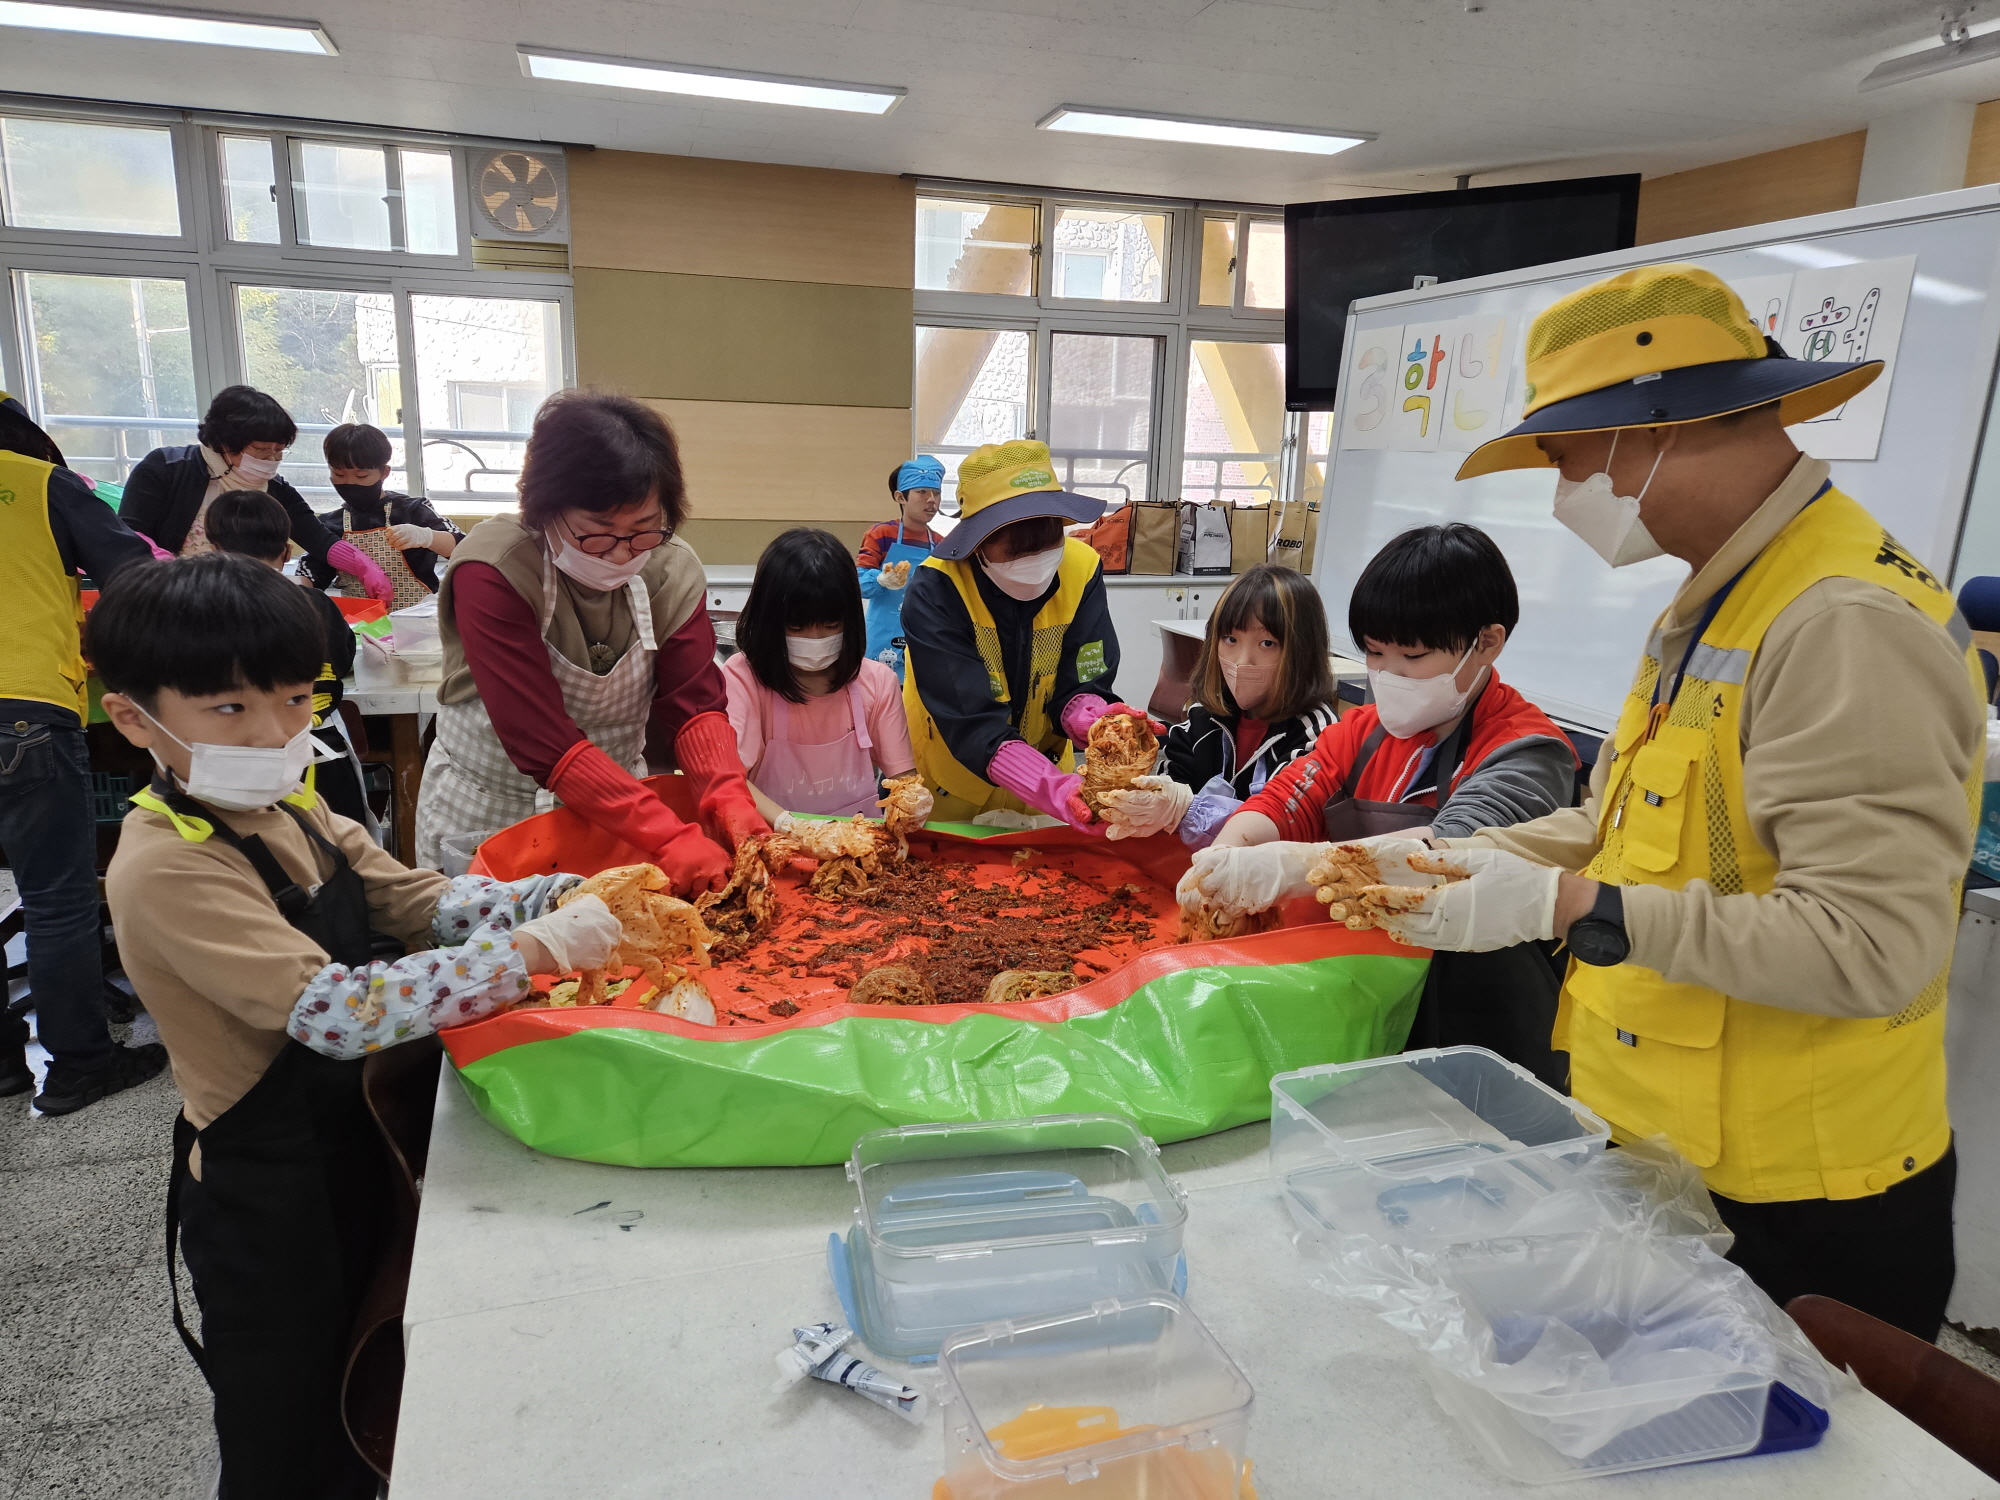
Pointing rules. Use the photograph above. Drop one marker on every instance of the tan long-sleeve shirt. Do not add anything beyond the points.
(215, 961)
(1858, 732)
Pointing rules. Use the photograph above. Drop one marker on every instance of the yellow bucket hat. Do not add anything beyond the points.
(1006, 482)
(1656, 347)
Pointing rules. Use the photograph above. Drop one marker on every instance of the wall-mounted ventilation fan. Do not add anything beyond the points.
(520, 195)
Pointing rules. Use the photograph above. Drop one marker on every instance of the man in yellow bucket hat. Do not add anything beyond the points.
(1761, 892)
(1010, 650)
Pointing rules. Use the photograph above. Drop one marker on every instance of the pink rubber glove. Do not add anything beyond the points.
(160, 554)
(1023, 770)
(1085, 709)
(349, 558)
(1082, 711)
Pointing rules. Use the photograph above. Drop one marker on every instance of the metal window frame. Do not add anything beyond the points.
(1175, 322)
(211, 266)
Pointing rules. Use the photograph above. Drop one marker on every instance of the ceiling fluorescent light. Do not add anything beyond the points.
(706, 83)
(152, 24)
(1140, 125)
(1957, 48)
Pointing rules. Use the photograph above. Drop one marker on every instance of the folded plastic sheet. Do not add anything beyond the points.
(1609, 1304)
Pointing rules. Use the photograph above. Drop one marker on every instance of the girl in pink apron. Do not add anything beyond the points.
(815, 722)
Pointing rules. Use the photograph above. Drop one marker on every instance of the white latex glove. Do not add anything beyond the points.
(923, 804)
(404, 535)
(892, 577)
(1248, 880)
(783, 823)
(1508, 900)
(578, 936)
(1392, 853)
(1153, 804)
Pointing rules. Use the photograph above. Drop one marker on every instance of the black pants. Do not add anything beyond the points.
(1504, 1001)
(1890, 1255)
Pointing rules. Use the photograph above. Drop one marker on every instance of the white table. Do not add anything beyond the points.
(372, 691)
(600, 1331)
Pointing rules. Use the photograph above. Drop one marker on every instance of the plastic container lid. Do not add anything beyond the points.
(940, 1193)
(1127, 1397)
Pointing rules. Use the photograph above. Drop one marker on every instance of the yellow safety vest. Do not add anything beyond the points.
(941, 772)
(1772, 1104)
(41, 605)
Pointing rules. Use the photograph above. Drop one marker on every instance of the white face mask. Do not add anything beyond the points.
(815, 653)
(599, 573)
(1606, 520)
(242, 778)
(1410, 705)
(1025, 578)
(1247, 684)
(263, 470)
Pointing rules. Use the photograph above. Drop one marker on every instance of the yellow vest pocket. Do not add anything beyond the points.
(1656, 805)
(1646, 1054)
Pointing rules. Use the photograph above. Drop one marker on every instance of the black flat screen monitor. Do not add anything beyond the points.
(1362, 247)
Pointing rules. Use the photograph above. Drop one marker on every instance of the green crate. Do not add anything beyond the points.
(111, 795)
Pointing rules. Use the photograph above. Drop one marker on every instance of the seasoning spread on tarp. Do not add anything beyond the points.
(1183, 1039)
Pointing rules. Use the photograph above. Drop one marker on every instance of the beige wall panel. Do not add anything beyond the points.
(1982, 157)
(798, 465)
(1815, 178)
(720, 542)
(638, 211)
(720, 338)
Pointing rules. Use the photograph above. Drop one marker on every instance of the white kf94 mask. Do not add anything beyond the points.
(1606, 520)
(242, 778)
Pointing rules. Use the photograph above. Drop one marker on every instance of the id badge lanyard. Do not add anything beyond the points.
(1666, 689)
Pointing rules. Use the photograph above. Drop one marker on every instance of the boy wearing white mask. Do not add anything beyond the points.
(1010, 647)
(278, 949)
(815, 720)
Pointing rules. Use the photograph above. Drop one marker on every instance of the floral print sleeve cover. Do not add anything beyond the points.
(349, 1012)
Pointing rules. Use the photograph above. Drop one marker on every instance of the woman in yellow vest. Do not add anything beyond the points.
(1011, 653)
(1761, 892)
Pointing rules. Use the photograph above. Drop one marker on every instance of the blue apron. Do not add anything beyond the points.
(885, 606)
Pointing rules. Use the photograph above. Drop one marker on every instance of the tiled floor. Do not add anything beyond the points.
(100, 1401)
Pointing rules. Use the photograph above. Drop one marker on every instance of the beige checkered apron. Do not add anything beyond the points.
(406, 587)
(470, 786)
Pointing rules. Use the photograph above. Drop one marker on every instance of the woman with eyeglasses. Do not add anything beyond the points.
(569, 630)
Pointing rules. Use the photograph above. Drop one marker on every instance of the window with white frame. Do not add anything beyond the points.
(1142, 340)
(150, 257)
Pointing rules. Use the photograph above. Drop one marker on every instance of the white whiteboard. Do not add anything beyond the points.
(1582, 624)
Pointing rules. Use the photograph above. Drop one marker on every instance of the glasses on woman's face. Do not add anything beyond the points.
(597, 543)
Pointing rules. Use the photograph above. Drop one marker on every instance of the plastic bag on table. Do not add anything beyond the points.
(1587, 1336)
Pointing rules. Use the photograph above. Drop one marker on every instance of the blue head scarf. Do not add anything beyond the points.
(920, 473)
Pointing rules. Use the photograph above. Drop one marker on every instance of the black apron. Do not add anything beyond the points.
(287, 1224)
(1349, 817)
(1505, 1000)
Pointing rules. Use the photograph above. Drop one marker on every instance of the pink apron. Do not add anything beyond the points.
(837, 777)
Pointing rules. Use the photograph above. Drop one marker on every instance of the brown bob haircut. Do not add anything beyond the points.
(600, 453)
(1286, 604)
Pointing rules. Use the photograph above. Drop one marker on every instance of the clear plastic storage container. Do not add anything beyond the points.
(414, 631)
(1424, 1148)
(1606, 1356)
(1126, 1400)
(962, 1225)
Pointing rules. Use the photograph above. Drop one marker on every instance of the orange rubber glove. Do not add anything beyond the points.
(591, 783)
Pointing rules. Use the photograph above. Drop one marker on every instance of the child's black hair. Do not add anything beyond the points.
(805, 577)
(204, 625)
(241, 415)
(1435, 586)
(356, 445)
(893, 475)
(249, 523)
